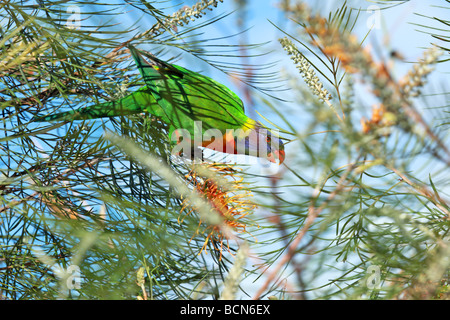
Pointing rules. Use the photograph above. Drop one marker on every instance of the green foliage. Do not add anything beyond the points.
(359, 209)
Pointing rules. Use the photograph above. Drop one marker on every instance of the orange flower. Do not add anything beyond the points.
(380, 118)
(230, 201)
(365, 124)
(377, 114)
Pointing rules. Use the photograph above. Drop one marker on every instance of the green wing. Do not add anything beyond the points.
(179, 96)
(187, 96)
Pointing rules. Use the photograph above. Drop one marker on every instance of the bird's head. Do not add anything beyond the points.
(261, 142)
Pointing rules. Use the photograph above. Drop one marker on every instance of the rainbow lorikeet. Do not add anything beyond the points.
(197, 108)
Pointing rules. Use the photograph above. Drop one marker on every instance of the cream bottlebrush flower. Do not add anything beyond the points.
(306, 70)
(232, 281)
(181, 18)
(416, 77)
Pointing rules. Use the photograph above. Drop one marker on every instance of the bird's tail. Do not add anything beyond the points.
(125, 106)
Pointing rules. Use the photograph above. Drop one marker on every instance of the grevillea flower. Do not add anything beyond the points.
(226, 193)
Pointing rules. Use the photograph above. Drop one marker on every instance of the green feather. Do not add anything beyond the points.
(179, 96)
(188, 96)
(140, 101)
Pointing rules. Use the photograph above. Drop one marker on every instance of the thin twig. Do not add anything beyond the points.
(312, 215)
(423, 190)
